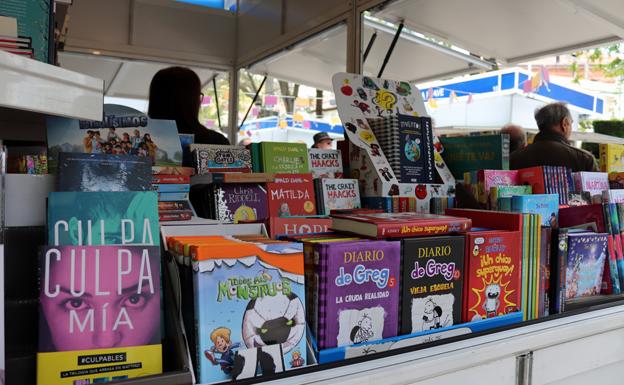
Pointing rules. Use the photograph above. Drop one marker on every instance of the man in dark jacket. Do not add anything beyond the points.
(550, 146)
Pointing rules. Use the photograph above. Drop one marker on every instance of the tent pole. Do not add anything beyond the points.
(214, 87)
(369, 46)
(253, 101)
(391, 49)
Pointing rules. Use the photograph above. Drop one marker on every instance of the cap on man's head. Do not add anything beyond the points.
(319, 137)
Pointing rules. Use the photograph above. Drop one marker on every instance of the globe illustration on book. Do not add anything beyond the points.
(412, 149)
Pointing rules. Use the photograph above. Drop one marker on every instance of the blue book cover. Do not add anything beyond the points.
(171, 187)
(547, 205)
(243, 303)
(416, 150)
(585, 264)
(173, 196)
(103, 218)
(103, 172)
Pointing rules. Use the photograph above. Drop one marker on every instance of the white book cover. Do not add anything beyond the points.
(340, 194)
(325, 163)
(613, 196)
(593, 182)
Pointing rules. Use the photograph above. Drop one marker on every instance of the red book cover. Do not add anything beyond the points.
(497, 220)
(534, 177)
(292, 226)
(493, 274)
(171, 179)
(588, 216)
(183, 215)
(291, 195)
(399, 225)
(172, 170)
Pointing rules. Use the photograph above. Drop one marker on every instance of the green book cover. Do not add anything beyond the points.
(256, 165)
(284, 158)
(475, 152)
(33, 20)
(506, 191)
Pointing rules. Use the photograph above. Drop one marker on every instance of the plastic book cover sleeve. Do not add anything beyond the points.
(360, 292)
(416, 150)
(585, 264)
(291, 195)
(339, 194)
(240, 202)
(103, 218)
(280, 157)
(325, 163)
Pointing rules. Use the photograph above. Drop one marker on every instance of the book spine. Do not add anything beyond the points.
(612, 260)
(422, 228)
(429, 151)
(174, 205)
(180, 215)
(604, 152)
(562, 257)
(171, 188)
(171, 179)
(505, 152)
(545, 265)
(198, 329)
(173, 196)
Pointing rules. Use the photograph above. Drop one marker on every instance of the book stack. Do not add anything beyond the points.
(10, 41)
(173, 195)
(548, 180)
(278, 157)
(407, 143)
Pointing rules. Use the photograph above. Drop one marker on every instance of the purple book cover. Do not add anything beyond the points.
(241, 202)
(359, 292)
(586, 260)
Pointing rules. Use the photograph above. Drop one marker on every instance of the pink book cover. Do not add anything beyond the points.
(491, 178)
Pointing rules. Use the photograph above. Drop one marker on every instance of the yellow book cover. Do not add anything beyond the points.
(611, 157)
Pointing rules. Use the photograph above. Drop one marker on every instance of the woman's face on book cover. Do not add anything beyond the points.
(118, 304)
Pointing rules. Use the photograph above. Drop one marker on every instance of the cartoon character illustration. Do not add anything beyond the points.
(385, 172)
(362, 124)
(362, 93)
(346, 88)
(384, 102)
(297, 361)
(363, 331)
(222, 353)
(492, 299)
(403, 89)
(350, 127)
(375, 149)
(394, 190)
(432, 318)
(475, 250)
(367, 136)
(284, 210)
(365, 108)
(553, 220)
(369, 83)
(421, 191)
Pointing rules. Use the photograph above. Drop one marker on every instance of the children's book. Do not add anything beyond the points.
(415, 150)
(497, 192)
(487, 179)
(246, 296)
(592, 182)
(534, 177)
(468, 153)
(100, 312)
(285, 226)
(432, 283)
(585, 262)
(103, 172)
(103, 218)
(278, 157)
(325, 163)
(359, 291)
(337, 194)
(220, 158)
(611, 157)
(124, 131)
(547, 205)
(492, 285)
(240, 202)
(291, 195)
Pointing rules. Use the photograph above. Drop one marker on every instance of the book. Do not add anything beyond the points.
(398, 225)
(34, 21)
(492, 284)
(592, 182)
(99, 305)
(544, 271)
(325, 163)
(611, 157)
(175, 215)
(174, 205)
(103, 218)
(285, 226)
(534, 177)
(613, 196)
(220, 158)
(415, 150)
(172, 196)
(240, 202)
(579, 198)
(185, 141)
(337, 194)
(589, 217)
(103, 172)
(278, 157)
(247, 295)
(291, 195)
(173, 170)
(432, 283)
(468, 153)
(232, 177)
(123, 131)
(486, 179)
(171, 187)
(547, 205)
(359, 291)
(174, 179)
(497, 192)
(584, 264)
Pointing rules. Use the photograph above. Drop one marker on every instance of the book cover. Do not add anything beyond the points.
(124, 131)
(467, 153)
(544, 271)
(493, 274)
(280, 226)
(593, 182)
(432, 283)
(220, 158)
(416, 150)
(103, 172)
(534, 177)
(99, 305)
(248, 296)
(613, 196)
(277, 157)
(547, 205)
(339, 194)
(486, 179)
(359, 297)
(325, 163)
(584, 265)
(240, 202)
(291, 195)
(497, 192)
(579, 198)
(397, 225)
(103, 218)
(611, 157)
(590, 217)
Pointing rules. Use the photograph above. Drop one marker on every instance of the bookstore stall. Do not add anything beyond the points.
(133, 255)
